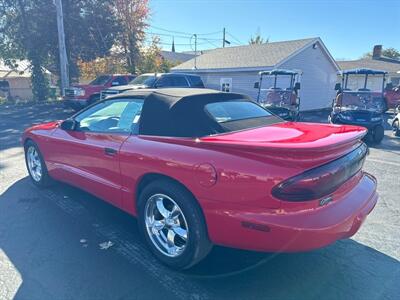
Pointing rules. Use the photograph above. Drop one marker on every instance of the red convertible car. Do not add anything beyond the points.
(200, 167)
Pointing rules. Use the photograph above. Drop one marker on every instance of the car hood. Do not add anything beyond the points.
(123, 88)
(85, 86)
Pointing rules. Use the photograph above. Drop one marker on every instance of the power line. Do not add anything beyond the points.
(182, 32)
(211, 33)
(182, 44)
(171, 31)
(180, 36)
(236, 39)
(211, 43)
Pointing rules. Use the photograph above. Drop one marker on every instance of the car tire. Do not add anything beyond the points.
(36, 166)
(378, 134)
(189, 242)
(396, 128)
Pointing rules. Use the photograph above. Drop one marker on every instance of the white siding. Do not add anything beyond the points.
(242, 82)
(317, 82)
(318, 79)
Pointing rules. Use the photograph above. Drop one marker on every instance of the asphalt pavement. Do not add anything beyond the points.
(62, 243)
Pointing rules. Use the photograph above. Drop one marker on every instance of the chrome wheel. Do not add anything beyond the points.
(166, 225)
(34, 163)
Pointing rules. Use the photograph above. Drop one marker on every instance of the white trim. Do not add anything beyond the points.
(222, 70)
(332, 60)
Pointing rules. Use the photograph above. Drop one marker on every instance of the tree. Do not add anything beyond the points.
(132, 16)
(257, 39)
(90, 31)
(151, 60)
(28, 30)
(112, 64)
(389, 52)
(20, 37)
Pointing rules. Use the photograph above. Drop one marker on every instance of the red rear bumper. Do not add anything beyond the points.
(284, 231)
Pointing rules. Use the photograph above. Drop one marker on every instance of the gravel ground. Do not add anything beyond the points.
(50, 242)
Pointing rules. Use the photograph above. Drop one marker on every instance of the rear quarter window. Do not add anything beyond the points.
(234, 111)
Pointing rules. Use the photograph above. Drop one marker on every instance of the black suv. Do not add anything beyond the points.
(156, 80)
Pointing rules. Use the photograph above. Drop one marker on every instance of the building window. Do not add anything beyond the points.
(226, 84)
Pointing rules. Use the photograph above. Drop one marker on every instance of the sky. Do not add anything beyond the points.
(349, 28)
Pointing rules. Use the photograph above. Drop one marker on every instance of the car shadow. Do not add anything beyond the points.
(16, 118)
(51, 240)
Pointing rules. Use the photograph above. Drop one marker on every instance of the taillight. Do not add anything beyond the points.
(322, 180)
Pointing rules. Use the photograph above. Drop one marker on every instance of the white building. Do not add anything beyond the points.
(237, 68)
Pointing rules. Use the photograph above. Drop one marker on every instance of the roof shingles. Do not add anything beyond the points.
(249, 56)
(370, 63)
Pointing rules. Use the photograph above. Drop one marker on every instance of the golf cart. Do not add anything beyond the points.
(360, 101)
(282, 96)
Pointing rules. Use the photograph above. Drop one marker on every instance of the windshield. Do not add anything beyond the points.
(362, 101)
(278, 97)
(101, 80)
(362, 83)
(146, 80)
(277, 91)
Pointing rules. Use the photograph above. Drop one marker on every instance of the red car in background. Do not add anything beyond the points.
(392, 96)
(199, 167)
(81, 95)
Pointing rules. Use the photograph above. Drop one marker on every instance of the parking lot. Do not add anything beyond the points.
(62, 243)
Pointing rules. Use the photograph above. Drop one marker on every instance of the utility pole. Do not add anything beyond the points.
(61, 46)
(224, 40)
(195, 50)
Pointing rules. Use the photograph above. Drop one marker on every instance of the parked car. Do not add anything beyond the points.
(396, 123)
(282, 97)
(4, 89)
(199, 167)
(392, 96)
(157, 80)
(362, 107)
(81, 95)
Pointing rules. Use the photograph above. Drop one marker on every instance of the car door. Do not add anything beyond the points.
(88, 155)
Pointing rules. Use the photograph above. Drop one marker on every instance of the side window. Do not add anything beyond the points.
(195, 81)
(180, 81)
(165, 81)
(120, 80)
(119, 115)
(172, 81)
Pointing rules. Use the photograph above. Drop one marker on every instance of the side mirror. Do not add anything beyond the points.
(338, 87)
(68, 125)
(114, 83)
(256, 85)
(297, 86)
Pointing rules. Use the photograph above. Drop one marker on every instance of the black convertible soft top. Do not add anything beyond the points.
(179, 111)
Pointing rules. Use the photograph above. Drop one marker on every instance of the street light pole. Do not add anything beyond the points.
(195, 50)
(61, 47)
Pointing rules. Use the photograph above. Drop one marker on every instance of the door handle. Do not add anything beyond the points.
(110, 151)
